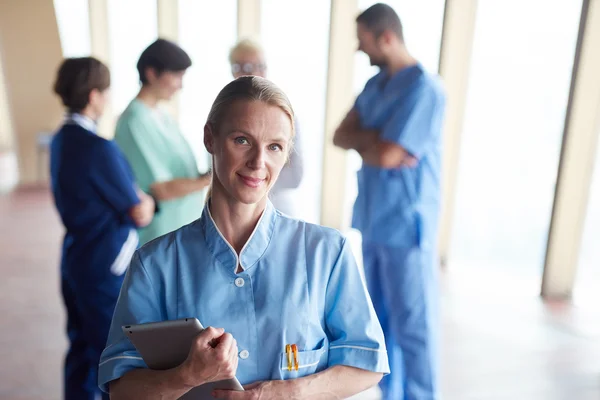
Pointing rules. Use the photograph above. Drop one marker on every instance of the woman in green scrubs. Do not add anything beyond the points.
(161, 158)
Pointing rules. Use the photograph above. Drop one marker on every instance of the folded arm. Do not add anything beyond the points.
(367, 142)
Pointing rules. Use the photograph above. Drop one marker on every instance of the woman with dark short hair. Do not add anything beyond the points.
(161, 158)
(100, 207)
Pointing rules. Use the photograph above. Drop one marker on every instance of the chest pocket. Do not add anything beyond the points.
(308, 363)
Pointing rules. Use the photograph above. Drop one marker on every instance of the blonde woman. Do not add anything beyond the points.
(248, 58)
(258, 279)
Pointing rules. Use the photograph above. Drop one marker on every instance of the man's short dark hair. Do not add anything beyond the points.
(76, 78)
(162, 55)
(380, 18)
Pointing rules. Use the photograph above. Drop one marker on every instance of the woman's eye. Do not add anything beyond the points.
(241, 140)
(276, 147)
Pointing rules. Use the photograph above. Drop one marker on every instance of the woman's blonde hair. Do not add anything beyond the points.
(249, 88)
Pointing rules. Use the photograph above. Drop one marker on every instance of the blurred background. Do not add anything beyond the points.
(520, 233)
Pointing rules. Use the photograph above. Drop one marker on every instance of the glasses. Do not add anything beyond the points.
(248, 68)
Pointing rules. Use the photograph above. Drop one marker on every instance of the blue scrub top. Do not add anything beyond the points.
(400, 207)
(300, 285)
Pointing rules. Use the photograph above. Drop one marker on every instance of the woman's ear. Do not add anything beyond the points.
(209, 138)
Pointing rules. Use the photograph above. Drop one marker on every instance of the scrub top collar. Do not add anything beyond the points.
(399, 78)
(81, 120)
(254, 248)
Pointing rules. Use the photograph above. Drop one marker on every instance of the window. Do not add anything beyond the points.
(297, 59)
(422, 23)
(518, 92)
(207, 30)
(132, 26)
(72, 17)
(586, 290)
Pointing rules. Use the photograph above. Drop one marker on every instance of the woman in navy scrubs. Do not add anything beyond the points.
(100, 207)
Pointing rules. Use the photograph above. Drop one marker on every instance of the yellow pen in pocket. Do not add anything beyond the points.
(288, 352)
(295, 351)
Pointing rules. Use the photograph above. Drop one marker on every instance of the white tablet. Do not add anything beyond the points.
(166, 344)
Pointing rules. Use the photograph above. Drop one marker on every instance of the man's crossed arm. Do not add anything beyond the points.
(373, 150)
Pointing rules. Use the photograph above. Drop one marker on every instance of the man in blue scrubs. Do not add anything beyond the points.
(395, 125)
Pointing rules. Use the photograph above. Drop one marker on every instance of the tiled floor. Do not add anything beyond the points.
(496, 343)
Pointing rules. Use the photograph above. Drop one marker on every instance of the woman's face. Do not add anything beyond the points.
(249, 149)
(166, 84)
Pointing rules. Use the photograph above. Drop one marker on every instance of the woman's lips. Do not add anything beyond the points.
(251, 182)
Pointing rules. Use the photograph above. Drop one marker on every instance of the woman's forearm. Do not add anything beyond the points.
(149, 384)
(176, 188)
(338, 382)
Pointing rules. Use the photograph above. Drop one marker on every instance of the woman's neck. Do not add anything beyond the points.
(89, 113)
(147, 97)
(235, 220)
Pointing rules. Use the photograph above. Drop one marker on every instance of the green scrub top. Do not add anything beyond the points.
(158, 152)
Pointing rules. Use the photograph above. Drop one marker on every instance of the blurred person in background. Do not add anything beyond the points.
(100, 206)
(395, 125)
(161, 158)
(247, 58)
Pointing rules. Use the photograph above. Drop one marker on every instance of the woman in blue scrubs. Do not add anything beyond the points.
(100, 207)
(263, 279)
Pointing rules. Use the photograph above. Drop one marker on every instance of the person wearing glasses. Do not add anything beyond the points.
(161, 158)
(247, 58)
